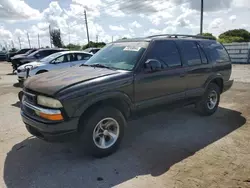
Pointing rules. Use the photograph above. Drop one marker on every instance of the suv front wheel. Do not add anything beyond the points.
(102, 132)
(210, 100)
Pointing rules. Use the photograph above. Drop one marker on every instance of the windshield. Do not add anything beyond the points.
(33, 53)
(29, 52)
(122, 55)
(51, 57)
(22, 51)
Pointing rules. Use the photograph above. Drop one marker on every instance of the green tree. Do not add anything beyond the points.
(92, 44)
(236, 35)
(73, 47)
(228, 39)
(209, 35)
(55, 35)
(13, 50)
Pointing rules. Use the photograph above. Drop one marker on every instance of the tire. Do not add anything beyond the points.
(88, 128)
(41, 71)
(207, 106)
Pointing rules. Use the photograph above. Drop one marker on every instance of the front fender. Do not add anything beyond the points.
(91, 100)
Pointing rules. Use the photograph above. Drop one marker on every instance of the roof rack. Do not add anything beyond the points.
(181, 36)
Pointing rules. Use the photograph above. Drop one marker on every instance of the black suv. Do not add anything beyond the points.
(93, 102)
(12, 54)
(35, 56)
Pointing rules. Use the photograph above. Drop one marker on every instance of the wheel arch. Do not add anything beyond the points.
(217, 79)
(115, 99)
(41, 71)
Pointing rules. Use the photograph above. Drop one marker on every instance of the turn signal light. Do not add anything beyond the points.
(54, 117)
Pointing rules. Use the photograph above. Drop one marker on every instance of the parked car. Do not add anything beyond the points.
(92, 50)
(12, 54)
(37, 55)
(59, 60)
(93, 103)
(25, 54)
(2, 56)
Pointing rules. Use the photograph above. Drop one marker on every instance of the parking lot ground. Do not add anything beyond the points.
(172, 148)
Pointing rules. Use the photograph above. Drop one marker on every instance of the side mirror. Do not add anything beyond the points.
(152, 65)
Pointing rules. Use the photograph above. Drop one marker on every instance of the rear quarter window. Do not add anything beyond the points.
(216, 51)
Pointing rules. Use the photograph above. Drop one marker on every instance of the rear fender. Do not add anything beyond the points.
(211, 78)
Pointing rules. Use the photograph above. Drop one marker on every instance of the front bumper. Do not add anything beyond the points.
(227, 85)
(22, 76)
(52, 131)
(59, 132)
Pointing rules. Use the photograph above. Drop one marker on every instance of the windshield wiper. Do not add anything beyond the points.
(84, 65)
(101, 66)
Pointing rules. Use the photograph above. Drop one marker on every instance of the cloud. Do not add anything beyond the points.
(232, 18)
(215, 24)
(17, 10)
(135, 24)
(5, 34)
(116, 28)
(211, 5)
(241, 3)
(114, 11)
(131, 30)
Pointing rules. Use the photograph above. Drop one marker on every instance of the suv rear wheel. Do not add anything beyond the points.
(102, 133)
(210, 101)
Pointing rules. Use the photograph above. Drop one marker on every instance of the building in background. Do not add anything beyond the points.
(239, 52)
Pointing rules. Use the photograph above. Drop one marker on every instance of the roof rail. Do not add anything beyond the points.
(181, 36)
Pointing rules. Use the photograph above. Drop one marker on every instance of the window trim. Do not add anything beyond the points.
(200, 49)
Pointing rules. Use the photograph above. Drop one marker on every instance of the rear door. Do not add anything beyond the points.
(198, 67)
(166, 85)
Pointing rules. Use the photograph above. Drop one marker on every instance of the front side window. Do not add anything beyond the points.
(165, 52)
(123, 55)
(62, 59)
(190, 53)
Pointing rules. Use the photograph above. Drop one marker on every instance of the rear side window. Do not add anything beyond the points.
(165, 52)
(217, 52)
(190, 53)
(79, 57)
(45, 53)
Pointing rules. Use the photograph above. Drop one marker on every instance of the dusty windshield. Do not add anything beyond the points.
(122, 55)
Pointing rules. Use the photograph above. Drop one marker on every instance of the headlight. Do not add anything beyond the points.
(49, 102)
(31, 67)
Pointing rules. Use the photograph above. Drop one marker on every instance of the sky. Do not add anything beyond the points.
(115, 19)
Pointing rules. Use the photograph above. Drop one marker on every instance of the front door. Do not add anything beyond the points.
(165, 85)
(62, 62)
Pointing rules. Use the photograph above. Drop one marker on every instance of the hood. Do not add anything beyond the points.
(19, 55)
(51, 82)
